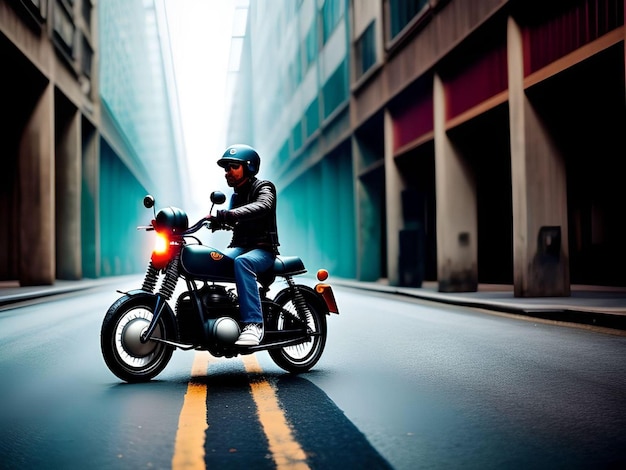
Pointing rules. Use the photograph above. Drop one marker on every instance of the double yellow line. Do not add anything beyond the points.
(192, 423)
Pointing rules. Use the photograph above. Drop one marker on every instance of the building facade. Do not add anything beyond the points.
(84, 136)
(456, 141)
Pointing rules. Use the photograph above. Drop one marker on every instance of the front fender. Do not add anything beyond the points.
(150, 301)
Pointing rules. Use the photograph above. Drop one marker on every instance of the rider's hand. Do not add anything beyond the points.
(215, 225)
(224, 218)
(219, 220)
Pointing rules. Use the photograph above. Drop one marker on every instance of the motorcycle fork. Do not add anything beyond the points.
(165, 293)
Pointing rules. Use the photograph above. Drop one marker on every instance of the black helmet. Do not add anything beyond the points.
(243, 154)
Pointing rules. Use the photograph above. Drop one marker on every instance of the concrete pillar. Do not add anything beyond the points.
(36, 180)
(394, 185)
(538, 174)
(457, 224)
(90, 202)
(68, 195)
(368, 227)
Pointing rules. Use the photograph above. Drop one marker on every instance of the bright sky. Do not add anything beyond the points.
(200, 33)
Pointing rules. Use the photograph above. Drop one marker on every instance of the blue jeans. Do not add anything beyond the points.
(247, 264)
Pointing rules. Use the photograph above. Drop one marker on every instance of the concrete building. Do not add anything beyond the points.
(85, 134)
(456, 141)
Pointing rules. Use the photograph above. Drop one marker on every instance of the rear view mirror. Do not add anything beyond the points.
(218, 197)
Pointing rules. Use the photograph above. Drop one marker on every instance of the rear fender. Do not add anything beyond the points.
(309, 294)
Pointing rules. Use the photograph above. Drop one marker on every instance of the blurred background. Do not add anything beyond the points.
(455, 142)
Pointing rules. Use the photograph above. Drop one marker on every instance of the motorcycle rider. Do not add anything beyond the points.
(254, 244)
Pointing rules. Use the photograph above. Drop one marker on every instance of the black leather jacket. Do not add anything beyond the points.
(253, 214)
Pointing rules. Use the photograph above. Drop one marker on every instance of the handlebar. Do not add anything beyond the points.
(193, 229)
(203, 223)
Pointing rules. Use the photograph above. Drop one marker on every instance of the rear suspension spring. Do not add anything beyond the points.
(301, 305)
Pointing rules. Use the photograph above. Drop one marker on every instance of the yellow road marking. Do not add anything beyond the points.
(286, 451)
(192, 423)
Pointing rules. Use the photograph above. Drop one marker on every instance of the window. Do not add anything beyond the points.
(335, 90)
(86, 57)
(365, 50)
(87, 13)
(64, 30)
(36, 9)
(312, 118)
(401, 12)
(310, 47)
(332, 11)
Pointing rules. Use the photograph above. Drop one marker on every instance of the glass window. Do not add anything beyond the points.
(86, 57)
(312, 118)
(310, 47)
(64, 29)
(332, 11)
(365, 50)
(87, 13)
(401, 12)
(335, 90)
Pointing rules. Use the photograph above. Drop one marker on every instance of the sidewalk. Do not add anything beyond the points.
(589, 305)
(11, 292)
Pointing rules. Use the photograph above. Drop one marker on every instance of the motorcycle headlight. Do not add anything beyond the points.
(162, 252)
(172, 220)
(161, 244)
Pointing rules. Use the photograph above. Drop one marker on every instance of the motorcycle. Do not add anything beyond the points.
(140, 331)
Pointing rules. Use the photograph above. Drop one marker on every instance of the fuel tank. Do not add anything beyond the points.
(206, 263)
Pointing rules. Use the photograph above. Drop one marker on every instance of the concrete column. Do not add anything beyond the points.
(538, 174)
(90, 202)
(394, 185)
(36, 180)
(368, 227)
(457, 225)
(68, 195)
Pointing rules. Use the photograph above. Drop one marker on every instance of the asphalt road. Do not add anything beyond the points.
(402, 384)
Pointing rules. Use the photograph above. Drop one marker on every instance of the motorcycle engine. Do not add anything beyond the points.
(218, 302)
(220, 316)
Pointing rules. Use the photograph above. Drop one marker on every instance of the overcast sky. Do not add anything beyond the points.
(200, 33)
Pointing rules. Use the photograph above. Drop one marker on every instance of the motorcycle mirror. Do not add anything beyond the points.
(218, 197)
(148, 202)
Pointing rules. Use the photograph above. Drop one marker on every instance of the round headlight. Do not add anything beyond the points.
(172, 219)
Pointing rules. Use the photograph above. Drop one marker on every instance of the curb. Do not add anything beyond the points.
(601, 317)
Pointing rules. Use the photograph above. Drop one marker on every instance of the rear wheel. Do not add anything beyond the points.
(124, 353)
(302, 356)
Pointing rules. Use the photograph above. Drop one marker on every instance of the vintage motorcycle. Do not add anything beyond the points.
(140, 330)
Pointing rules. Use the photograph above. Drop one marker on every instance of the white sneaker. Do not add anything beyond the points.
(251, 335)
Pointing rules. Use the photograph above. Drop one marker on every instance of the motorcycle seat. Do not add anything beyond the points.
(288, 265)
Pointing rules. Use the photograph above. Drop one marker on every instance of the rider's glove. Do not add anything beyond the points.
(221, 219)
(215, 225)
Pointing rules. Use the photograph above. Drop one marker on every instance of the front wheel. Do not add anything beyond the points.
(124, 353)
(303, 356)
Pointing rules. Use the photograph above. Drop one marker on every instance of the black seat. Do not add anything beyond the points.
(288, 266)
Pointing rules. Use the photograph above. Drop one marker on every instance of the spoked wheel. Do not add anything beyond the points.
(302, 356)
(124, 353)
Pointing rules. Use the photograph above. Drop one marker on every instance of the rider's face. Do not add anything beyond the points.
(234, 174)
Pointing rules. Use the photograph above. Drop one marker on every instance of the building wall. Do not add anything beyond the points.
(62, 205)
(484, 138)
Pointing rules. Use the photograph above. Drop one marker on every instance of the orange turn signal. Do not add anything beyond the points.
(322, 275)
